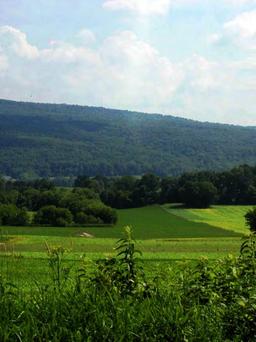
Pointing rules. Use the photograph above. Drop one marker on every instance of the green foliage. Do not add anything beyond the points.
(50, 215)
(13, 216)
(82, 218)
(190, 301)
(86, 207)
(54, 206)
(3, 236)
(122, 273)
(248, 247)
(250, 218)
(82, 182)
(197, 189)
(9, 197)
(58, 271)
(43, 140)
(198, 194)
(200, 189)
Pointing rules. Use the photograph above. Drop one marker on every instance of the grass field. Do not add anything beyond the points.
(163, 234)
(228, 217)
(153, 222)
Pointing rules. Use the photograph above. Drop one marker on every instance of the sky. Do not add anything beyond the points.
(189, 58)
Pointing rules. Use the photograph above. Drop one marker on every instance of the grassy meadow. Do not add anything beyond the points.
(223, 216)
(188, 285)
(163, 234)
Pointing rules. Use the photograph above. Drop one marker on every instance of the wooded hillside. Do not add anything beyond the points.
(42, 140)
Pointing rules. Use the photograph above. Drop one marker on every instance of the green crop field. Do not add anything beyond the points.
(163, 234)
(228, 217)
(153, 222)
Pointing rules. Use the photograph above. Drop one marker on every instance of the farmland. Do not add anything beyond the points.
(228, 217)
(45, 303)
(152, 225)
(162, 235)
(127, 171)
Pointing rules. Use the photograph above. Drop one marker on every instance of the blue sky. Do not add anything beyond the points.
(189, 58)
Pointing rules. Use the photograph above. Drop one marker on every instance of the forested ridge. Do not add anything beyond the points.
(49, 140)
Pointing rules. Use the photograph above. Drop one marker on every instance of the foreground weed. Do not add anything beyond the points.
(59, 272)
(123, 272)
(199, 301)
(248, 247)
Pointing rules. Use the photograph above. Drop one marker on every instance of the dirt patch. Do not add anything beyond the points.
(86, 235)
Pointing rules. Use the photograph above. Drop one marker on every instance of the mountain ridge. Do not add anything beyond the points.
(126, 111)
(52, 140)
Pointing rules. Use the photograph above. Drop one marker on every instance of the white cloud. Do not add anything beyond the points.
(201, 74)
(220, 92)
(244, 25)
(161, 7)
(240, 2)
(241, 31)
(62, 52)
(141, 7)
(15, 40)
(126, 72)
(236, 3)
(86, 36)
(3, 63)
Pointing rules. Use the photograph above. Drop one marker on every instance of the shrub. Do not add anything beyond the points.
(82, 218)
(21, 218)
(250, 218)
(105, 214)
(51, 215)
(13, 216)
(122, 274)
(86, 209)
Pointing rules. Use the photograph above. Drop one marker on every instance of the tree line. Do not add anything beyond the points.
(93, 200)
(40, 202)
(196, 189)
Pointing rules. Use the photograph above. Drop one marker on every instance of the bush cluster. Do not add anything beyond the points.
(53, 216)
(10, 215)
(52, 206)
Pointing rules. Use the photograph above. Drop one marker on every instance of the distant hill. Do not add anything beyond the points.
(66, 140)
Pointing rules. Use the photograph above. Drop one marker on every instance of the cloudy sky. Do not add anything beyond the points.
(189, 58)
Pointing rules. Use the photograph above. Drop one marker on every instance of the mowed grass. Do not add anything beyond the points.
(153, 222)
(163, 234)
(95, 248)
(27, 263)
(228, 217)
(157, 229)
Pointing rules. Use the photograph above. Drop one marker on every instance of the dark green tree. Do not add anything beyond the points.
(198, 194)
(250, 218)
(147, 190)
(13, 216)
(50, 215)
(82, 182)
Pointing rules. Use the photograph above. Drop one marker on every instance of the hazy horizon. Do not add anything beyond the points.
(194, 59)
